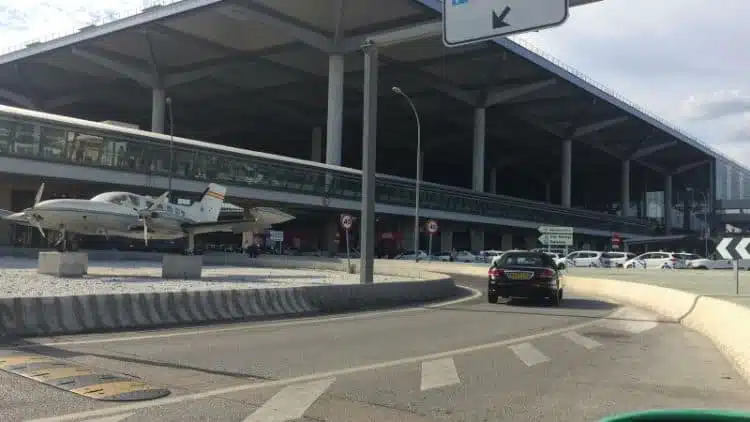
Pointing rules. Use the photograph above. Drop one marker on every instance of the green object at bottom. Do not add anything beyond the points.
(707, 415)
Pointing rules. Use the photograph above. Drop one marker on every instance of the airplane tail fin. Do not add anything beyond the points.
(207, 210)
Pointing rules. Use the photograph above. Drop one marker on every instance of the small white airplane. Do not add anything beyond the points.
(125, 214)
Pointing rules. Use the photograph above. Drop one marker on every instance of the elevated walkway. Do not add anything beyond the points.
(49, 146)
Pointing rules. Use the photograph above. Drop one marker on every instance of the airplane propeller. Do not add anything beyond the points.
(146, 214)
(32, 218)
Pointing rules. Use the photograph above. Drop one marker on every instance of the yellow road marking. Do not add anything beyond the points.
(112, 388)
(21, 360)
(45, 375)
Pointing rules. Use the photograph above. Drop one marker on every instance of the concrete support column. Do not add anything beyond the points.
(477, 239)
(248, 237)
(316, 153)
(531, 241)
(493, 180)
(480, 116)
(158, 102)
(334, 125)
(506, 242)
(331, 229)
(567, 172)
(625, 189)
(446, 240)
(668, 203)
(5, 227)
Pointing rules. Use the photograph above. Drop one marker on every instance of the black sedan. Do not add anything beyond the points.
(532, 275)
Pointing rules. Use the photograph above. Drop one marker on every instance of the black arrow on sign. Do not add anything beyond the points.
(498, 21)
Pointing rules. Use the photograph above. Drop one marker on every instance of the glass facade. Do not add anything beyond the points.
(53, 141)
(732, 181)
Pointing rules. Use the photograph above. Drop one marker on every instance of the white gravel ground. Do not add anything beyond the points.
(18, 278)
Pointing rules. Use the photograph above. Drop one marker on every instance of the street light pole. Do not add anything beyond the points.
(706, 227)
(171, 146)
(400, 92)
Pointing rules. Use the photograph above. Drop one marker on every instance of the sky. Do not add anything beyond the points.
(686, 61)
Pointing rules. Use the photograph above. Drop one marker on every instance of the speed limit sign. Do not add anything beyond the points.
(432, 226)
(346, 221)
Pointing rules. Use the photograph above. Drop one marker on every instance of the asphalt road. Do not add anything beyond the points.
(469, 361)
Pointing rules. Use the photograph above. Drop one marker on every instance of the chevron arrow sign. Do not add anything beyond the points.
(734, 248)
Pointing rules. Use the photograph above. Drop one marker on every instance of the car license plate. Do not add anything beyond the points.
(520, 275)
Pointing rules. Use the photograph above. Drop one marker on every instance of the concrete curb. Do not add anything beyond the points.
(723, 322)
(40, 316)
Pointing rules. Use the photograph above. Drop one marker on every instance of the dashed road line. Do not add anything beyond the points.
(439, 373)
(291, 402)
(580, 340)
(529, 354)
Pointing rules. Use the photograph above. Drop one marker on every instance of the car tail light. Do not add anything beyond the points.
(496, 272)
(547, 273)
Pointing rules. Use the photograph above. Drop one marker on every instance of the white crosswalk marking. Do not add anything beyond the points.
(581, 340)
(291, 402)
(529, 354)
(438, 373)
(631, 320)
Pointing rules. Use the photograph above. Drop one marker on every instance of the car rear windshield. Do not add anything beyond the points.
(525, 260)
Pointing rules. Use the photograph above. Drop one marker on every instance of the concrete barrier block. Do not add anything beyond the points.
(182, 266)
(63, 264)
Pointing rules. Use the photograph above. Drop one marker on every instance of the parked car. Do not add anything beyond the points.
(465, 256)
(615, 259)
(663, 260)
(713, 262)
(583, 259)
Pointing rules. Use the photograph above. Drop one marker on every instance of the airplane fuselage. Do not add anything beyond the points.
(87, 217)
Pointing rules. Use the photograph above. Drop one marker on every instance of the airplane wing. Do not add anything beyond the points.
(263, 218)
(234, 226)
(5, 213)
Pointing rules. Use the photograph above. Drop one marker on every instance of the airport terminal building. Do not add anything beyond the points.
(266, 97)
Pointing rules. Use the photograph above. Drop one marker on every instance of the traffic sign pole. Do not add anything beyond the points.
(432, 228)
(346, 223)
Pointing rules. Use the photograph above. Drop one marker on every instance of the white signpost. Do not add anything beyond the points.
(276, 236)
(346, 222)
(556, 235)
(472, 21)
(432, 228)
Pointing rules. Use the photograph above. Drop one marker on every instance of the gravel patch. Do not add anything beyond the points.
(18, 278)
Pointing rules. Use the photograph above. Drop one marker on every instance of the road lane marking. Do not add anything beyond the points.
(632, 320)
(249, 326)
(115, 418)
(312, 377)
(291, 402)
(529, 354)
(581, 340)
(438, 373)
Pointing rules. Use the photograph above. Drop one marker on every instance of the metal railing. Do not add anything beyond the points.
(71, 141)
(101, 20)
